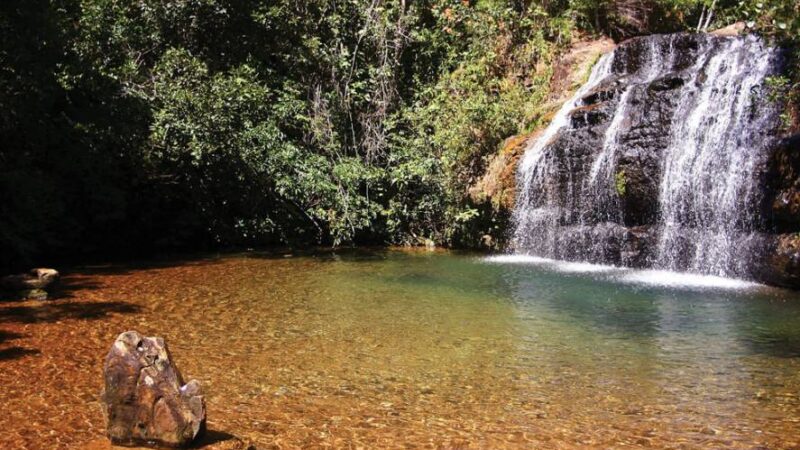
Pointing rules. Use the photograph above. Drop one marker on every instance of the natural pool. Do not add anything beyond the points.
(417, 349)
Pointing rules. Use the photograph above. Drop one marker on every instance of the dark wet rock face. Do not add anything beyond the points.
(781, 264)
(667, 158)
(146, 400)
(637, 246)
(783, 203)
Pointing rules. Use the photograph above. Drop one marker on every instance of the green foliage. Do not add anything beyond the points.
(776, 18)
(492, 88)
(779, 21)
(781, 90)
(625, 18)
(620, 183)
(150, 124)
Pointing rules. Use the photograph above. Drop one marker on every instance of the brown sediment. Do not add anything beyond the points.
(316, 352)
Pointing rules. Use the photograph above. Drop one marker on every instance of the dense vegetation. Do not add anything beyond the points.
(141, 125)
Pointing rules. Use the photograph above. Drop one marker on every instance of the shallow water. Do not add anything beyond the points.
(416, 349)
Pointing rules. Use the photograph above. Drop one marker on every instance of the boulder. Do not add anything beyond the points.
(31, 285)
(734, 29)
(637, 246)
(146, 400)
(39, 278)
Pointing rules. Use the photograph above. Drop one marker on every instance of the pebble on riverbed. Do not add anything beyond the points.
(146, 401)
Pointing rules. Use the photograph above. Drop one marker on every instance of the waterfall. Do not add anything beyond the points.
(709, 195)
(658, 160)
(539, 223)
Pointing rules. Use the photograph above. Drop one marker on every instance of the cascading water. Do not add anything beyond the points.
(539, 222)
(710, 197)
(658, 160)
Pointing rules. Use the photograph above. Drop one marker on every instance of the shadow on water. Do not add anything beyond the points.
(51, 312)
(64, 288)
(770, 326)
(212, 437)
(137, 266)
(353, 254)
(81, 278)
(68, 286)
(54, 312)
(15, 351)
(780, 346)
(58, 307)
(9, 335)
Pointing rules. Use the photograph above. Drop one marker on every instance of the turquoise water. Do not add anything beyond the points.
(681, 357)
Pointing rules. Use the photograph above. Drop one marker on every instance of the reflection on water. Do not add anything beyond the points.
(385, 349)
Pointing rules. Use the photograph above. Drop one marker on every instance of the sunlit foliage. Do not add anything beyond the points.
(138, 125)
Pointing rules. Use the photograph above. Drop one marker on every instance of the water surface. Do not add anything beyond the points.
(416, 349)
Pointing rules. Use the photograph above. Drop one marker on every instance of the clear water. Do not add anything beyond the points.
(394, 348)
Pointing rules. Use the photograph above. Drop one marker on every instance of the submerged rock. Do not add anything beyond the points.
(39, 278)
(637, 247)
(31, 285)
(33, 294)
(146, 400)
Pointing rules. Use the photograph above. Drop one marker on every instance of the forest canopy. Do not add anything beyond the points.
(141, 125)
